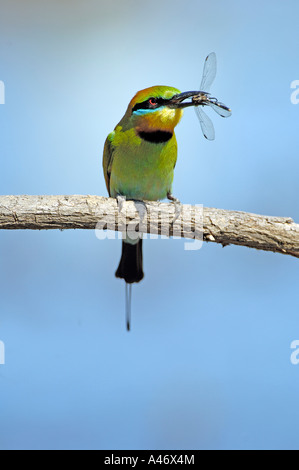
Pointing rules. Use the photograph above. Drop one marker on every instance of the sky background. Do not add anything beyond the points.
(207, 364)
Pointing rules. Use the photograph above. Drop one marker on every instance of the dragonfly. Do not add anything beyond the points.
(204, 98)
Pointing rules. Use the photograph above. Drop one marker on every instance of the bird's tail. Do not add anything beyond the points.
(131, 265)
(131, 270)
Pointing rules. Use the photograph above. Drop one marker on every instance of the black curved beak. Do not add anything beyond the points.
(178, 101)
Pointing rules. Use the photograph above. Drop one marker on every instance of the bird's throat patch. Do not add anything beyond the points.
(155, 137)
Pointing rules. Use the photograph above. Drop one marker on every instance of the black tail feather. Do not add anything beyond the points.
(131, 264)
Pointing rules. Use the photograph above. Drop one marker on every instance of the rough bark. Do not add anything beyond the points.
(277, 234)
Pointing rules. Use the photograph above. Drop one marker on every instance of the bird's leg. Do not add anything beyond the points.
(140, 207)
(138, 202)
(172, 198)
(120, 201)
(177, 205)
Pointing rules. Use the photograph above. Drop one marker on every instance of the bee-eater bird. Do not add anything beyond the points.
(139, 160)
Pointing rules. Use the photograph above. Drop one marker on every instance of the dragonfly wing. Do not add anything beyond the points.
(209, 72)
(205, 123)
(220, 109)
(208, 77)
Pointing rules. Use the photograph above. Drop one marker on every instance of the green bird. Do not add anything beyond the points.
(139, 160)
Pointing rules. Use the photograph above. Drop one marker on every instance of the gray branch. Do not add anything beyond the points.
(276, 234)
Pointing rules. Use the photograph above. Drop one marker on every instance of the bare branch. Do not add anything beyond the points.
(275, 234)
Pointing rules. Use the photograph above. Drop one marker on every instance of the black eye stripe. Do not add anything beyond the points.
(148, 105)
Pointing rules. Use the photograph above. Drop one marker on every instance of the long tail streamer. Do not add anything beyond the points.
(128, 305)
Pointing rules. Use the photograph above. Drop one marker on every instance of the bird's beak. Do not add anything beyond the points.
(178, 101)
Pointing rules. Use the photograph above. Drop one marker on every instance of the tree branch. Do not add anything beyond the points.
(275, 234)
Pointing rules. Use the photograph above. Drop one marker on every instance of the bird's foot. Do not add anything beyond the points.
(139, 204)
(177, 205)
(141, 208)
(120, 201)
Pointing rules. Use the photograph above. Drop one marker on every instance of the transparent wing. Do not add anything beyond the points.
(205, 123)
(220, 108)
(209, 72)
(208, 77)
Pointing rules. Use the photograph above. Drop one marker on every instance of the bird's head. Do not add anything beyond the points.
(156, 108)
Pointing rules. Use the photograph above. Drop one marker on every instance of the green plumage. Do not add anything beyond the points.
(139, 169)
(138, 163)
(134, 166)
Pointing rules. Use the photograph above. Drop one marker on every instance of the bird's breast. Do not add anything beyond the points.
(143, 168)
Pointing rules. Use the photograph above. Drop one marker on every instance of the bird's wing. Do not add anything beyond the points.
(108, 159)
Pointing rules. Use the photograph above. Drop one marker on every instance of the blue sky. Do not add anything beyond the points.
(207, 364)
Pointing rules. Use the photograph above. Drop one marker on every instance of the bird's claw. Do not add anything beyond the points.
(177, 207)
(120, 201)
